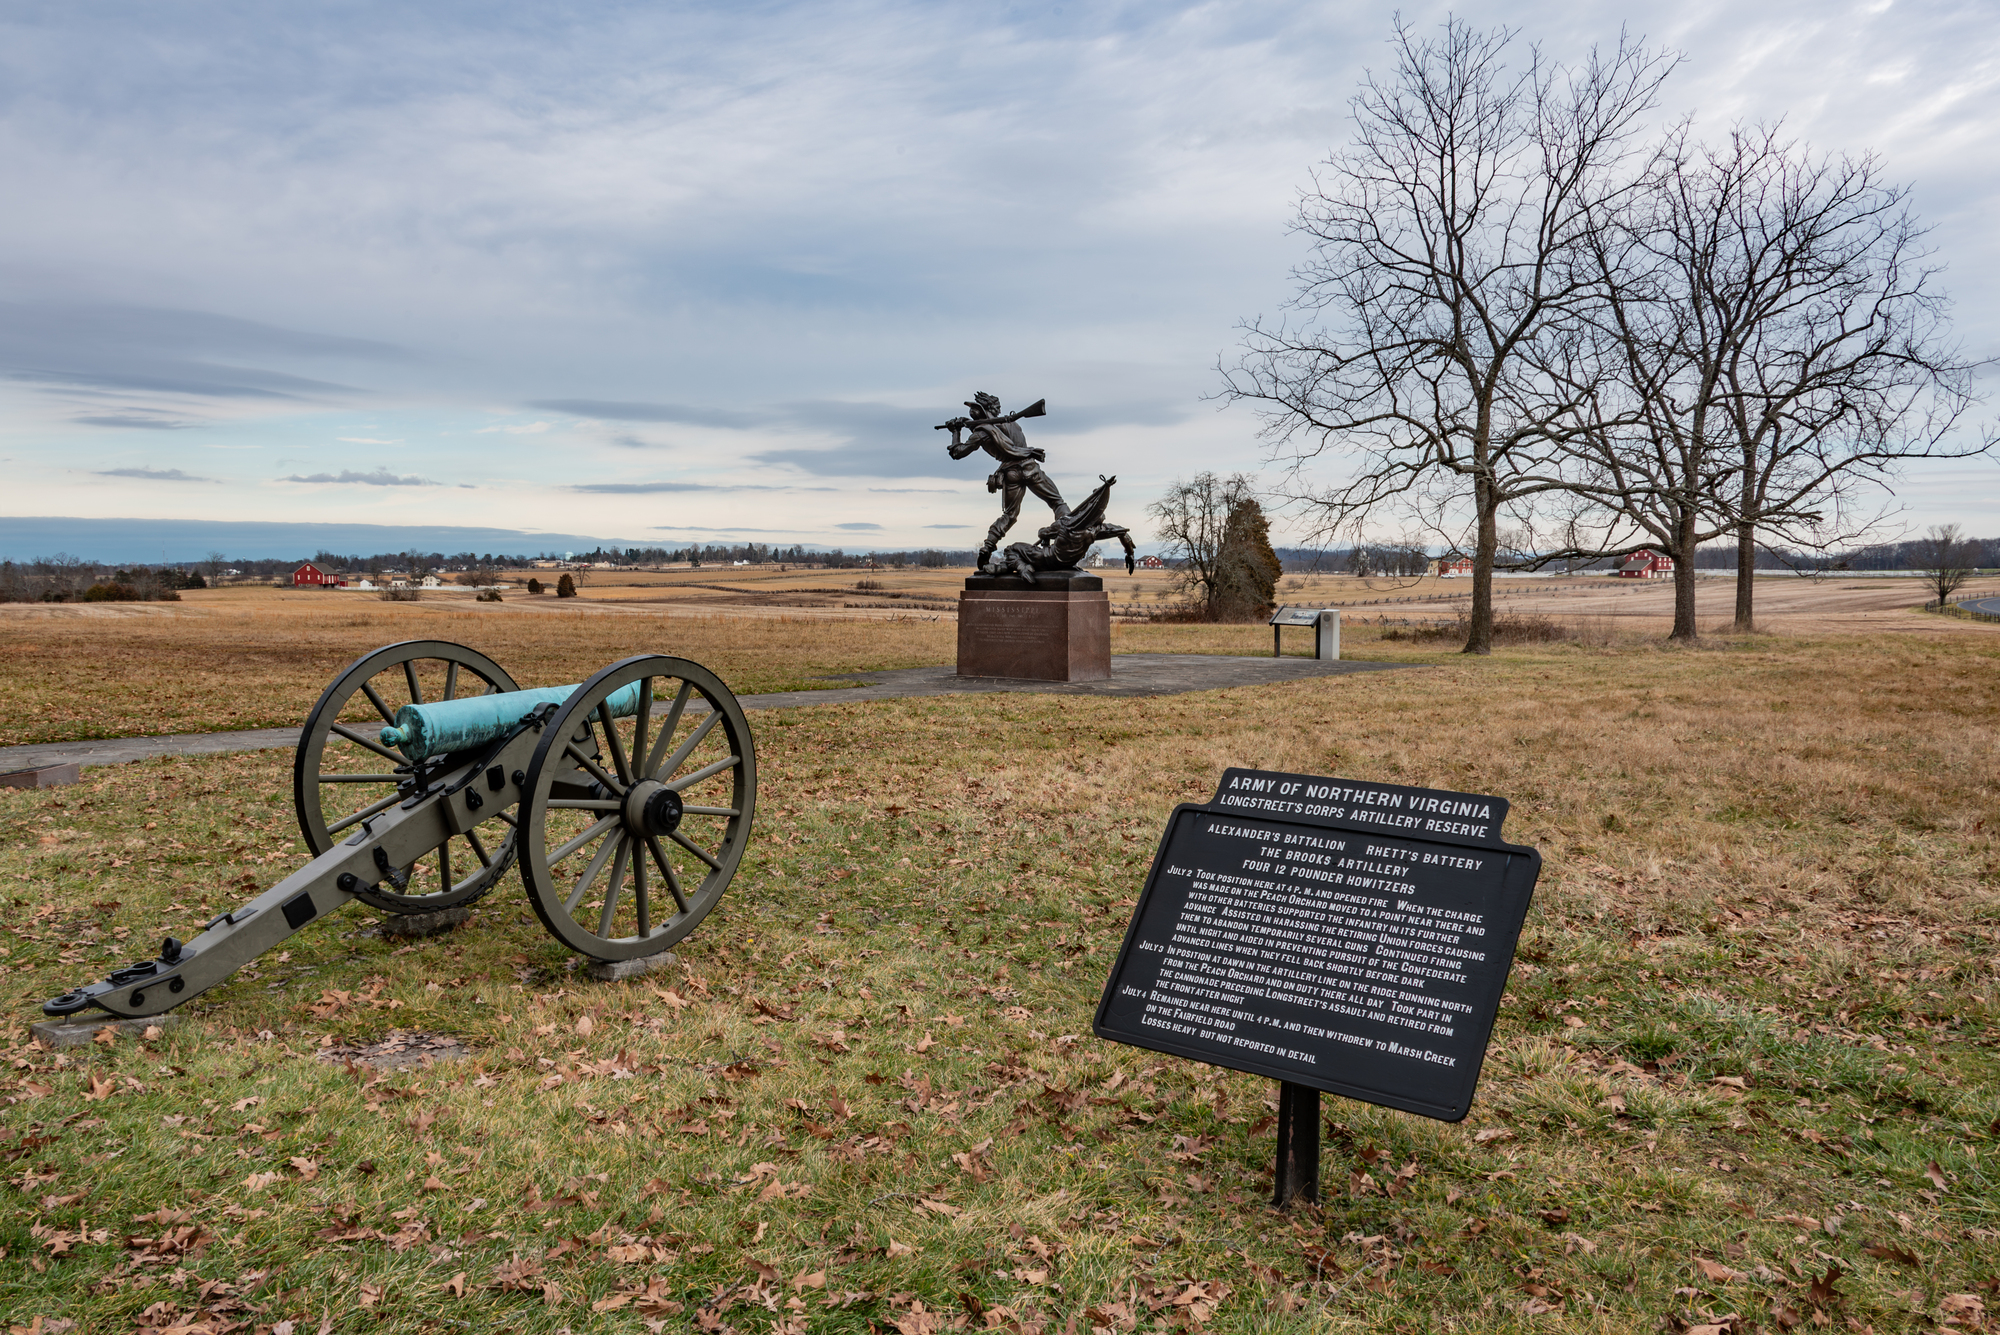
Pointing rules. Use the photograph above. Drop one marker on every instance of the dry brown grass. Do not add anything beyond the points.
(259, 661)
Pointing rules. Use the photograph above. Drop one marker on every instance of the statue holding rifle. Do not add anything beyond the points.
(1020, 465)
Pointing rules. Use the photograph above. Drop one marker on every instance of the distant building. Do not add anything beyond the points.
(310, 576)
(433, 582)
(1646, 565)
(1151, 563)
(1453, 565)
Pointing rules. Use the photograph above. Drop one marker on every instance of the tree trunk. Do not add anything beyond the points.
(1683, 555)
(1479, 639)
(1746, 551)
(1746, 578)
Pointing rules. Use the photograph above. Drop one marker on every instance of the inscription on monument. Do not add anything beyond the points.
(1351, 937)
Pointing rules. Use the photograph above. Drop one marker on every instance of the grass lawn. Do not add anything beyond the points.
(1745, 1076)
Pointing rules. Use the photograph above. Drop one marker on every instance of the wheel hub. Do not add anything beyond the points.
(652, 808)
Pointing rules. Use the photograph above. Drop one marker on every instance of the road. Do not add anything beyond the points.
(1990, 606)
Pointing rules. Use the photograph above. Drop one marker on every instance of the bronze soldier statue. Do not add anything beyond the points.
(1020, 469)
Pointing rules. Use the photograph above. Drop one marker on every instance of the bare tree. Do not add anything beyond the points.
(1443, 267)
(1947, 558)
(1829, 335)
(1769, 341)
(1192, 519)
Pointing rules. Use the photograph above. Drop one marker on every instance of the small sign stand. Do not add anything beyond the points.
(1297, 1170)
(1324, 622)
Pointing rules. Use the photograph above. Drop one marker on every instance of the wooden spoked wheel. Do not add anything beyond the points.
(631, 828)
(342, 775)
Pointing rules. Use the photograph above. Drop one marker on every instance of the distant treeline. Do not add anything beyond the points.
(1400, 559)
(66, 578)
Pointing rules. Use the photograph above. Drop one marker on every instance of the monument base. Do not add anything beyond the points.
(1056, 629)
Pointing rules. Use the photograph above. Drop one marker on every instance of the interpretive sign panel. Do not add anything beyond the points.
(1351, 937)
(1295, 616)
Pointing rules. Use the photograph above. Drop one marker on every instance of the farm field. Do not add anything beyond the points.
(1746, 1074)
(255, 657)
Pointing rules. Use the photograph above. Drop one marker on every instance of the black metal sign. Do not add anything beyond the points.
(1344, 936)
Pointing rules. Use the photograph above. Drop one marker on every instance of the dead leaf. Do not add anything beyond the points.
(518, 1274)
(259, 1181)
(584, 1025)
(1492, 1133)
(1883, 1251)
(455, 1286)
(371, 1294)
(308, 1169)
(896, 1249)
(1717, 1273)
(1936, 1175)
(98, 1087)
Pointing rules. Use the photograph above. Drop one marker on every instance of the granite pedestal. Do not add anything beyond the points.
(1056, 629)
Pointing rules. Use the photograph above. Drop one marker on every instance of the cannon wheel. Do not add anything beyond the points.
(631, 828)
(341, 774)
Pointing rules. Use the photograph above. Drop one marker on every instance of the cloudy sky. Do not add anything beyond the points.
(662, 272)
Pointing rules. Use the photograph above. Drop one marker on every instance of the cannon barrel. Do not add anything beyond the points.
(423, 731)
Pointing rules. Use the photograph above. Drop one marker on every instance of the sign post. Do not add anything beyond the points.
(1333, 935)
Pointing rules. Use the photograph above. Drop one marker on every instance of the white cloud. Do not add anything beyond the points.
(530, 429)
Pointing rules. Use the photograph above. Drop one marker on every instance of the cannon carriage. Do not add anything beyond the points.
(424, 773)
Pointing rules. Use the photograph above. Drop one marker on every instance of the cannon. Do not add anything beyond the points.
(423, 774)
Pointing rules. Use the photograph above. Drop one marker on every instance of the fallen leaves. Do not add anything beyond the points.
(517, 1275)
(1962, 1309)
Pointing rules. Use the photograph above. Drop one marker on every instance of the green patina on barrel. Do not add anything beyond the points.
(423, 731)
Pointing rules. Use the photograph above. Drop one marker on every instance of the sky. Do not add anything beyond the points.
(662, 273)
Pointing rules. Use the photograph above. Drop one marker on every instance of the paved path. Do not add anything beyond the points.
(1131, 674)
(1989, 606)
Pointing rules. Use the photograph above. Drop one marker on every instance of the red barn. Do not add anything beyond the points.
(1646, 565)
(1454, 565)
(1151, 563)
(310, 576)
